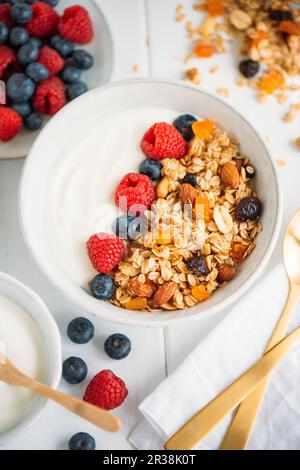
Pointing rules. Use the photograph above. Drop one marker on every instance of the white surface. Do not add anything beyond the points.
(132, 21)
(227, 352)
(82, 165)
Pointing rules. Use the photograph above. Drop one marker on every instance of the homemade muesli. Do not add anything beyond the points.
(191, 219)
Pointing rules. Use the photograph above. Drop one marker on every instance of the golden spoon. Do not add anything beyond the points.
(239, 431)
(97, 416)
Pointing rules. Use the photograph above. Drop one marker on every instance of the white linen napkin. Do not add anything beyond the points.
(230, 349)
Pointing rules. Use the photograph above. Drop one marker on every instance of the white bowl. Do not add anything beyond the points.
(35, 307)
(69, 130)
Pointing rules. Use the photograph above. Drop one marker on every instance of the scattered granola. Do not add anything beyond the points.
(297, 143)
(223, 91)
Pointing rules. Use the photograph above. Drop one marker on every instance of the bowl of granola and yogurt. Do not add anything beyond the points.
(150, 202)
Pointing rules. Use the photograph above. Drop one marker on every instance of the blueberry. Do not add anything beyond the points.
(4, 32)
(19, 88)
(33, 122)
(76, 89)
(184, 125)
(249, 68)
(21, 13)
(18, 36)
(71, 74)
(36, 42)
(74, 370)
(38, 72)
(23, 109)
(191, 179)
(102, 286)
(197, 264)
(82, 59)
(82, 441)
(248, 208)
(117, 346)
(28, 53)
(151, 168)
(61, 45)
(80, 330)
(128, 226)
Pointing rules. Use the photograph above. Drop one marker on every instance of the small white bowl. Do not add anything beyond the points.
(70, 130)
(35, 307)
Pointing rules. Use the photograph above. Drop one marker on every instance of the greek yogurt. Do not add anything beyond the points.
(21, 342)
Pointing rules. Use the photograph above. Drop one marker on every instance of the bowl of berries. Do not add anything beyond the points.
(162, 206)
(51, 52)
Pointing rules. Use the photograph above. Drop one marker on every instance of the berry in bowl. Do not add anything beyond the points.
(152, 213)
(50, 53)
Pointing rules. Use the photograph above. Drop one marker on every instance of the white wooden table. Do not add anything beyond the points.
(145, 35)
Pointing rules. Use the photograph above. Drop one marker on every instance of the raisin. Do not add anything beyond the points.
(248, 208)
(280, 15)
(250, 171)
(197, 264)
(249, 68)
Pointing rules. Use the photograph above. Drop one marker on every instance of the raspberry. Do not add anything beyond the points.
(51, 60)
(10, 123)
(135, 193)
(105, 251)
(44, 22)
(163, 141)
(8, 61)
(5, 10)
(49, 96)
(76, 25)
(106, 390)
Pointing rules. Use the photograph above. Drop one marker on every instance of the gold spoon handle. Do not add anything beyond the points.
(198, 427)
(239, 431)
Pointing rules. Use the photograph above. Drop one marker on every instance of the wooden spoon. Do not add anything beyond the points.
(97, 416)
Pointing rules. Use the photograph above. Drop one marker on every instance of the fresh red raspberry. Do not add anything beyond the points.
(10, 123)
(105, 251)
(106, 390)
(163, 141)
(8, 61)
(51, 60)
(44, 22)
(76, 25)
(135, 193)
(5, 17)
(49, 96)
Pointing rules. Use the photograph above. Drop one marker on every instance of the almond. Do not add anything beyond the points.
(226, 272)
(230, 175)
(187, 194)
(164, 293)
(141, 290)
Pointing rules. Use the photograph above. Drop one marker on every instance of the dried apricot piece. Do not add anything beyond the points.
(239, 252)
(289, 27)
(203, 50)
(259, 36)
(202, 208)
(164, 235)
(271, 81)
(200, 293)
(138, 303)
(214, 7)
(203, 129)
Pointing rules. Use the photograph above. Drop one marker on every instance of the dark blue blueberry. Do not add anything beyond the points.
(4, 32)
(80, 330)
(33, 122)
(82, 59)
(76, 89)
(128, 226)
(28, 53)
(74, 370)
(197, 264)
(71, 74)
(82, 441)
(61, 45)
(36, 42)
(190, 179)
(151, 168)
(38, 72)
(18, 36)
(184, 125)
(23, 109)
(102, 286)
(117, 346)
(19, 88)
(21, 13)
